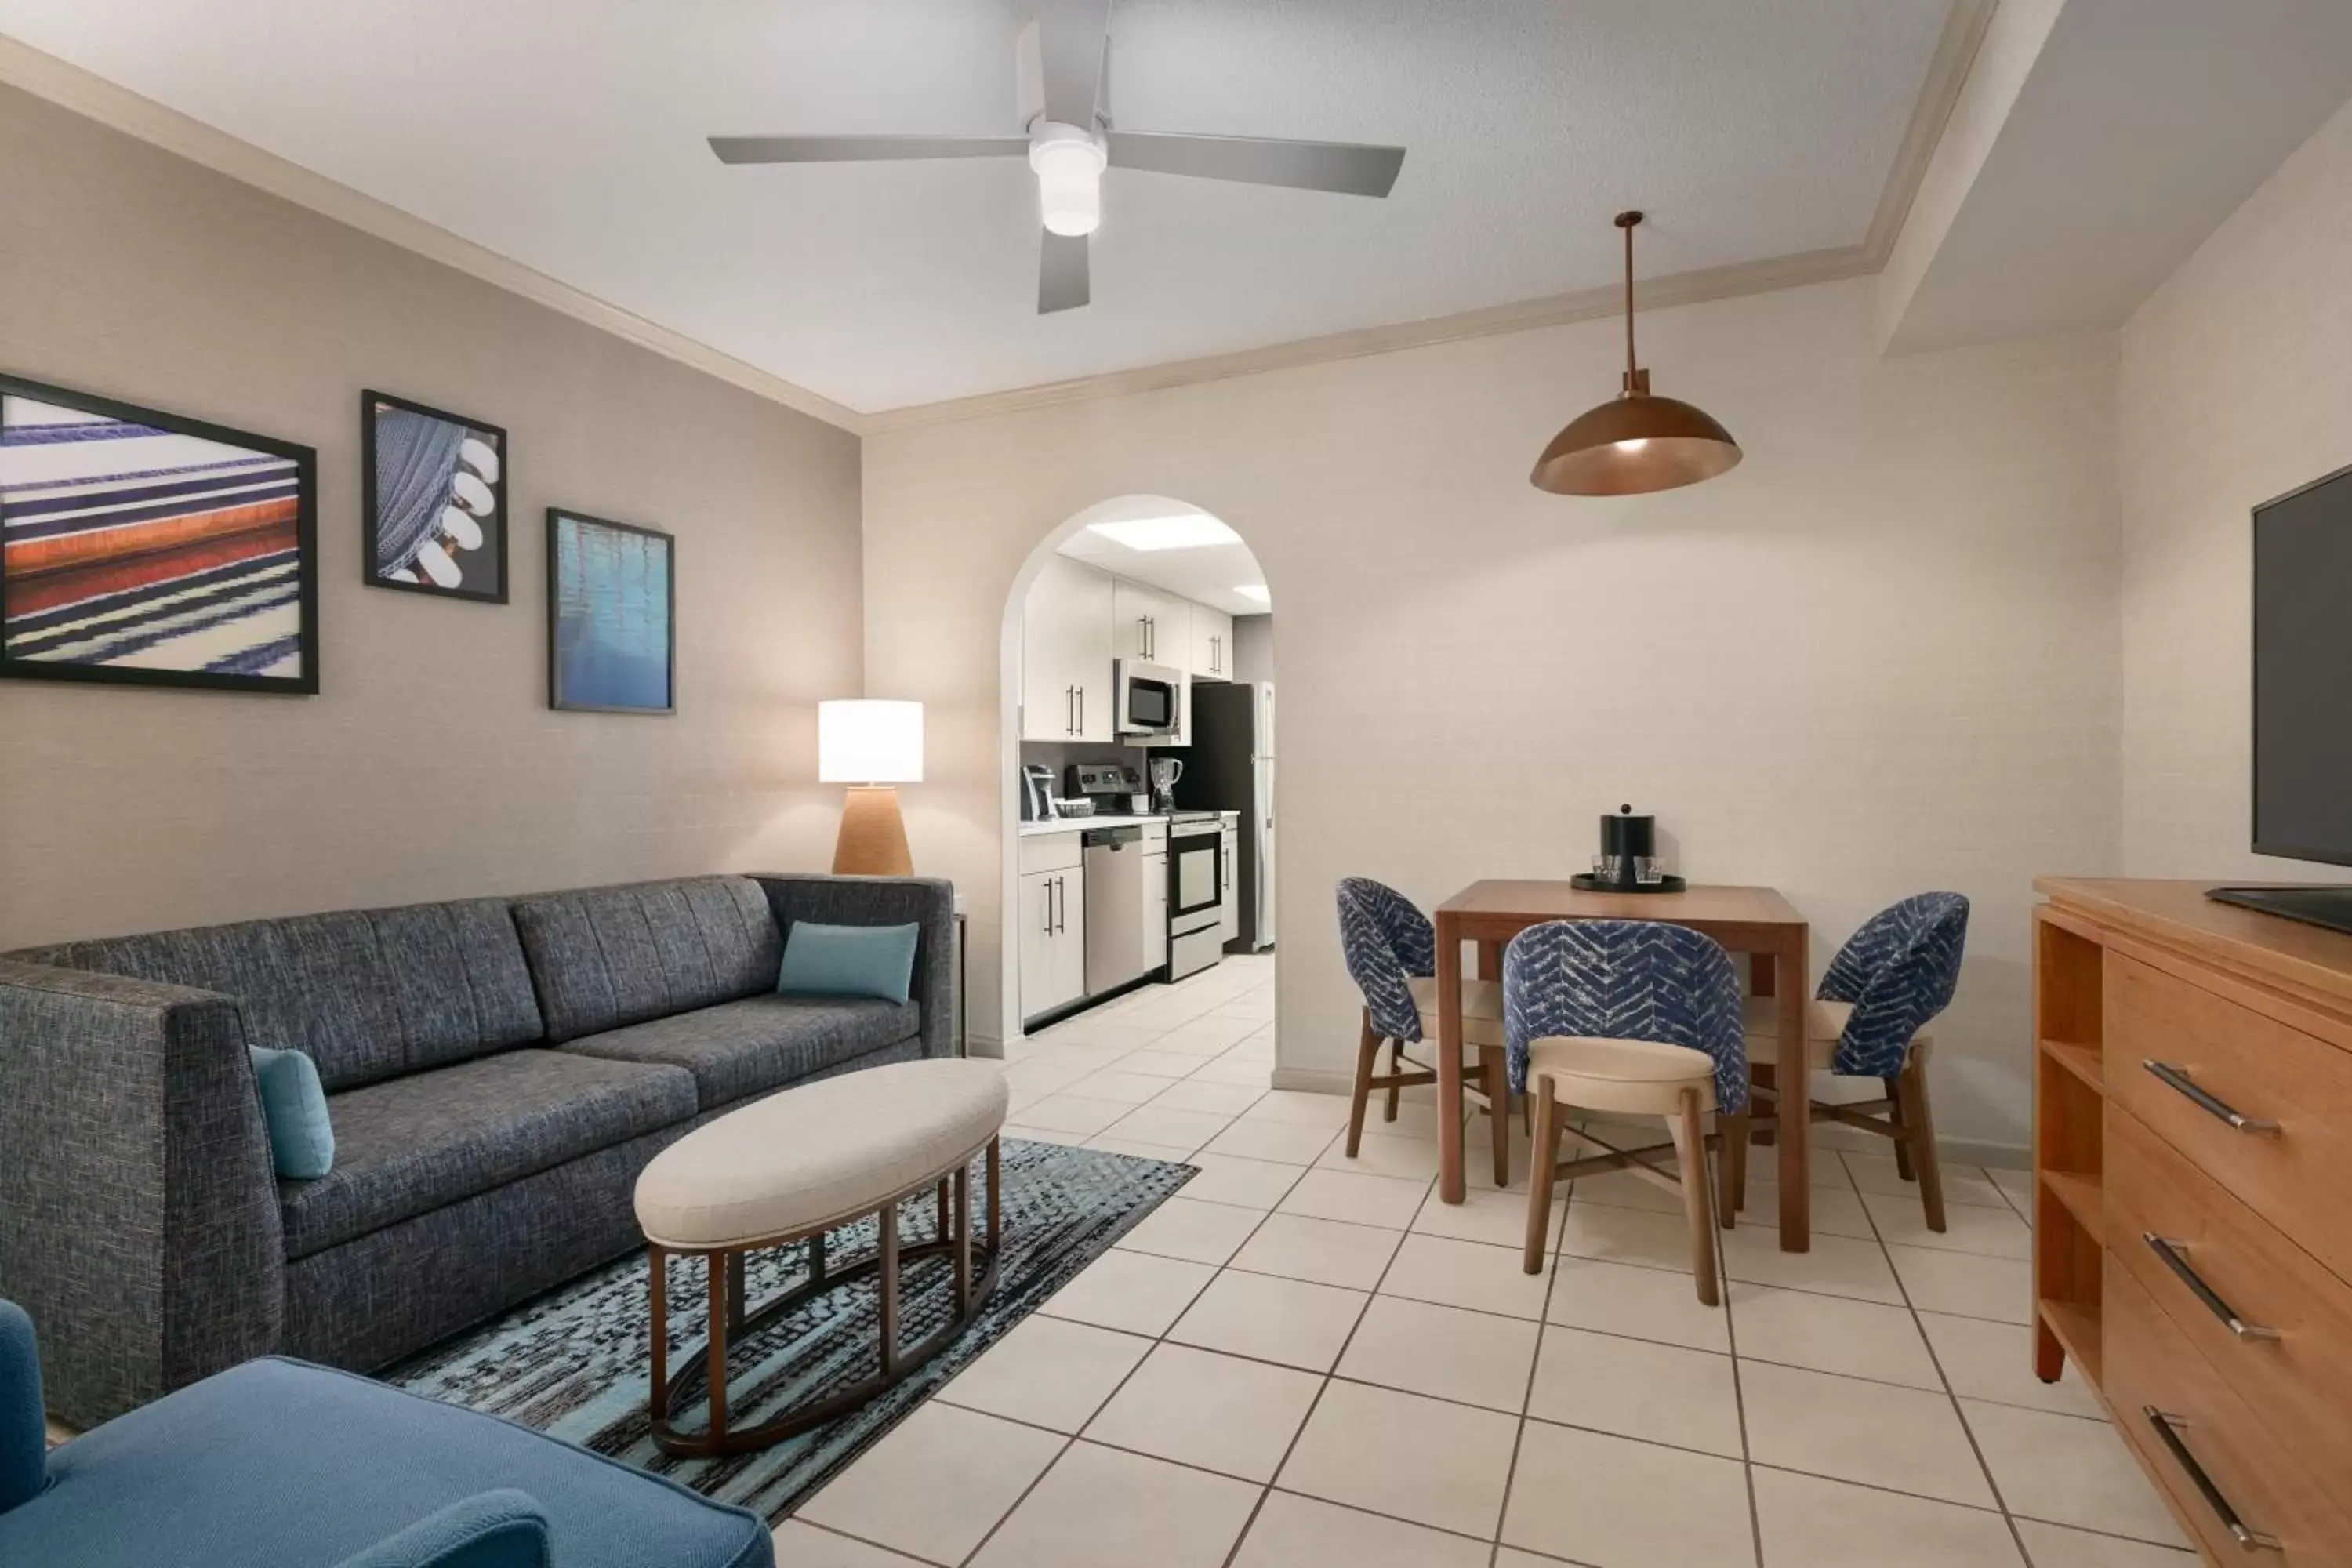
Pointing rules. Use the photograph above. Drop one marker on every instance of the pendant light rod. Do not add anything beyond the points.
(1626, 221)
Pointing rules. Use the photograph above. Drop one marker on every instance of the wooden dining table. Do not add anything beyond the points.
(1755, 921)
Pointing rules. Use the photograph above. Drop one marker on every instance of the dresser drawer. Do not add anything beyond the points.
(2150, 1366)
(2291, 1358)
(2291, 1162)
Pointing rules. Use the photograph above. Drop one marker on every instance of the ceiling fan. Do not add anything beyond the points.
(1070, 140)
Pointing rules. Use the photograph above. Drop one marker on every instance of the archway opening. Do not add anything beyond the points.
(1141, 868)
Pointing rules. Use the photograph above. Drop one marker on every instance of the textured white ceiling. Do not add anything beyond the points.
(568, 135)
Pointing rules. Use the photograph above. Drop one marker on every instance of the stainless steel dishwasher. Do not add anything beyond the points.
(1117, 897)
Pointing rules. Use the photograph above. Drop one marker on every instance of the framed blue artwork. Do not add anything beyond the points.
(612, 601)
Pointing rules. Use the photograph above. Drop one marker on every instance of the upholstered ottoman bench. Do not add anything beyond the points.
(793, 1167)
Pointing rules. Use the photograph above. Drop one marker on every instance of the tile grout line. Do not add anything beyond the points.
(1984, 1466)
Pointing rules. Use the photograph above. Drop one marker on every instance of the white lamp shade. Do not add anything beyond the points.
(868, 740)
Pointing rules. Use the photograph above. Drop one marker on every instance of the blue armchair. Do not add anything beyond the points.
(279, 1464)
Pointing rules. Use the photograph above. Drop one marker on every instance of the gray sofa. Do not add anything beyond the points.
(498, 1071)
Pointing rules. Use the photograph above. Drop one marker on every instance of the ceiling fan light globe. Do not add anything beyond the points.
(1068, 164)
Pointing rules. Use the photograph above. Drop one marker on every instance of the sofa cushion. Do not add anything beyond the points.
(275, 1464)
(367, 993)
(738, 1049)
(608, 957)
(416, 1143)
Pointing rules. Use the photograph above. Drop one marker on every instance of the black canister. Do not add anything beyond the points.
(1626, 840)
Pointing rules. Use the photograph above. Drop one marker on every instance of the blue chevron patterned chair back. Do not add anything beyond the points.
(1625, 980)
(1899, 971)
(1385, 939)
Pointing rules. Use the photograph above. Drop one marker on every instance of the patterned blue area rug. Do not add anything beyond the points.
(574, 1362)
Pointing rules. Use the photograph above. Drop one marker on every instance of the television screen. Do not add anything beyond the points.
(2303, 673)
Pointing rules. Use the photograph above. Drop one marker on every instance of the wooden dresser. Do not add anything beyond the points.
(2192, 1238)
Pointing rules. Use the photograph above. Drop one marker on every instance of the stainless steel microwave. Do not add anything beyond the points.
(1147, 698)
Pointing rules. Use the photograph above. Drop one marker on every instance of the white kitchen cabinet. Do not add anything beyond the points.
(1155, 909)
(1053, 940)
(1212, 644)
(1065, 654)
(1151, 624)
(1229, 923)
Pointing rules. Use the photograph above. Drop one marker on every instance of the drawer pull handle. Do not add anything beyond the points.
(2170, 1251)
(2176, 1079)
(2167, 1427)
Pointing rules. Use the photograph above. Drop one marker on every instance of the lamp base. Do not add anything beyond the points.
(873, 838)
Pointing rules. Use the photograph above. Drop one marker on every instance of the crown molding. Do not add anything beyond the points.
(1948, 69)
(93, 97)
(69, 86)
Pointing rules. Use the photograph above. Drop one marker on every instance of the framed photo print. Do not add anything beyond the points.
(612, 598)
(141, 548)
(434, 501)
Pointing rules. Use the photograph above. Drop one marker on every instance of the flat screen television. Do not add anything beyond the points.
(2303, 695)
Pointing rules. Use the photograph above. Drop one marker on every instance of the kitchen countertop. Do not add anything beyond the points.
(1077, 824)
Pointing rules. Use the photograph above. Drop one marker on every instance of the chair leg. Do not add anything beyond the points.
(1542, 1161)
(1368, 1056)
(1497, 1076)
(1894, 1082)
(1919, 1132)
(1768, 1074)
(1731, 1168)
(1690, 1151)
(1396, 1070)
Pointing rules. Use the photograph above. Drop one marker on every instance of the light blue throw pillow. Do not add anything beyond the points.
(849, 961)
(301, 1139)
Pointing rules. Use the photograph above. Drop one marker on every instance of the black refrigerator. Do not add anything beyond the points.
(1229, 767)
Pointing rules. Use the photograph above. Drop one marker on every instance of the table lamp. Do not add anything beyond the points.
(872, 746)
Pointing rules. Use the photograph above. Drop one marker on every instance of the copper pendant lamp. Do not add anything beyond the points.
(1635, 443)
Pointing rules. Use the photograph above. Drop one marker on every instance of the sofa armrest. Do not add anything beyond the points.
(24, 1427)
(502, 1528)
(927, 902)
(139, 1225)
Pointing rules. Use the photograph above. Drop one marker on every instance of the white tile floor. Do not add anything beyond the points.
(1307, 1360)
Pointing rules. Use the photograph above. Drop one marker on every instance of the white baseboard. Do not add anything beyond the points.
(1313, 1081)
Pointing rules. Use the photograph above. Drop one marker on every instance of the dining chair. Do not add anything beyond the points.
(1885, 984)
(1630, 1018)
(1390, 949)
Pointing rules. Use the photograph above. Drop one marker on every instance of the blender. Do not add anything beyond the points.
(1165, 771)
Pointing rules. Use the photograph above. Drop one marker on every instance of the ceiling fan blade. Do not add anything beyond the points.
(856, 149)
(1070, 37)
(1063, 283)
(1351, 168)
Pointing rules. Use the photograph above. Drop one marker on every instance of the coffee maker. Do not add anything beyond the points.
(1628, 861)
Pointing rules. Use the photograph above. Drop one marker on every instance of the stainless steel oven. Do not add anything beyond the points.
(1145, 701)
(1196, 892)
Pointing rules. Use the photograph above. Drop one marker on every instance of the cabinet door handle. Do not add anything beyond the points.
(1082, 710)
(2167, 1429)
(2176, 1080)
(2169, 1252)
(1047, 887)
(1062, 906)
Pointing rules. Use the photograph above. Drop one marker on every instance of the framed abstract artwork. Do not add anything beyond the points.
(141, 548)
(433, 502)
(612, 633)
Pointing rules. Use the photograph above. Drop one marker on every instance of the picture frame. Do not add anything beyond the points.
(140, 547)
(612, 615)
(433, 500)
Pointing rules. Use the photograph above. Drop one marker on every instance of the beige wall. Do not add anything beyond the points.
(2236, 386)
(1880, 657)
(430, 766)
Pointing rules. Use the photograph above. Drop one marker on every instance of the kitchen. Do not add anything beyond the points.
(1146, 747)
